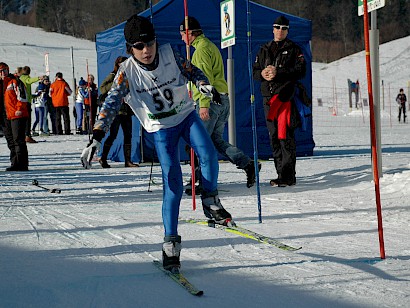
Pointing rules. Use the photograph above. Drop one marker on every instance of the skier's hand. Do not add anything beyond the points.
(88, 153)
(211, 92)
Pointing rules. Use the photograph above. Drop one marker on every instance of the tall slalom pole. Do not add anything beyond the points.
(188, 56)
(252, 100)
(373, 132)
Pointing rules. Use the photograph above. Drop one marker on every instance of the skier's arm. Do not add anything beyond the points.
(112, 103)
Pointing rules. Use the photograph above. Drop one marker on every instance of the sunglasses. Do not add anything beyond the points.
(279, 27)
(141, 45)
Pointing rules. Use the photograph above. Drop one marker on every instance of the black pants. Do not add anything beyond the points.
(63, 111)
(126, 123)
(28, 126)
(283, 150)
(402, 108)
(15, 134)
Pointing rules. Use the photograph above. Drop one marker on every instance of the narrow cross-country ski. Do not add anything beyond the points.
(243, 232)
(180, 279)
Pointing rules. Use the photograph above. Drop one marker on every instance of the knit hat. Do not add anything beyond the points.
(281, 20)
(138, 29)
(193, 24)
(82, 82)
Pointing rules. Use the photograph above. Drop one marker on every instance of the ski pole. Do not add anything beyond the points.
(54, 190)
(188, 56)
(252, 99)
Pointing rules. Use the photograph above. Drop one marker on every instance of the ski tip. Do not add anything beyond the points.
(199, 293)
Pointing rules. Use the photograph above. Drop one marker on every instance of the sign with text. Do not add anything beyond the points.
(371, 6)
(227, 23)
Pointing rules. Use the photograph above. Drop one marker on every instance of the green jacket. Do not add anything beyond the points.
(28, 81)
(209, 60)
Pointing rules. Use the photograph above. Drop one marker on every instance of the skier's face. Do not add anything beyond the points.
(145, 52)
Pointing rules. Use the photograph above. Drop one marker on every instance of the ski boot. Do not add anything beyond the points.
(171, 250)
(214, 210)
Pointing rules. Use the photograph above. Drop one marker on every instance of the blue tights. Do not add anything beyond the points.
(166, 144)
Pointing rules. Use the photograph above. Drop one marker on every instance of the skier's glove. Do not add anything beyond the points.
(211, 92)
(88, 153)
(93, 146)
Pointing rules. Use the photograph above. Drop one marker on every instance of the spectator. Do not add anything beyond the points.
(39, 105)
(91, 100)
(123, 118)
(159, 98)
(401, 100)
(14, 114)
(49, 109)
(28, 81)
(82, 94)
(207, 58)
(279, 65)
(59, 92)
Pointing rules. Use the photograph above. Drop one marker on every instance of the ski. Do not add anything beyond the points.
(54, 190)
(180, 279)
(246, 233)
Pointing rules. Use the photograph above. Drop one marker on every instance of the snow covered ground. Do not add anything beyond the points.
(93, 244)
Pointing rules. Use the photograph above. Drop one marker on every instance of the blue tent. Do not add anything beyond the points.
(167, 16)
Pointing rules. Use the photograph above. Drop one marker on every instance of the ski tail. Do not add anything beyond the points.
(180, 279)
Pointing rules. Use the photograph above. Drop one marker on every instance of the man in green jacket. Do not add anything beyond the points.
(207, 58)
(28, 81)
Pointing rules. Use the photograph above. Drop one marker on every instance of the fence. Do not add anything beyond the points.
(332, 107)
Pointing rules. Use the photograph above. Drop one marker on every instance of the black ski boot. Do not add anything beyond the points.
(250, 173)
(171, 250)
(214, 210)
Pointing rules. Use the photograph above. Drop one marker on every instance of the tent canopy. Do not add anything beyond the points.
(167, 16)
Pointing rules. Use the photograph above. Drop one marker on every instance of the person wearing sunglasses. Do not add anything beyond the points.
(153, 82)
(13, 117)
(278, 66)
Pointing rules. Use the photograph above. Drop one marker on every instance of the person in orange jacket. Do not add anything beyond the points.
(14, 114)
(59, 93)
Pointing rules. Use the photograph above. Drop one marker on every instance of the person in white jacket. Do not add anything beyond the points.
(39, 109)
(82, 94)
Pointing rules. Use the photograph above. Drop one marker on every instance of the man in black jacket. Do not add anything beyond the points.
(279, 65)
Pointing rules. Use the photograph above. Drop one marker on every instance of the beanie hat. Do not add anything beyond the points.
(82, 82)
(281, 20)
(193, 24)
(41, 87)
(138, 29)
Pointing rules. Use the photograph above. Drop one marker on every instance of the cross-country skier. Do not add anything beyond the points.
(153, 81)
